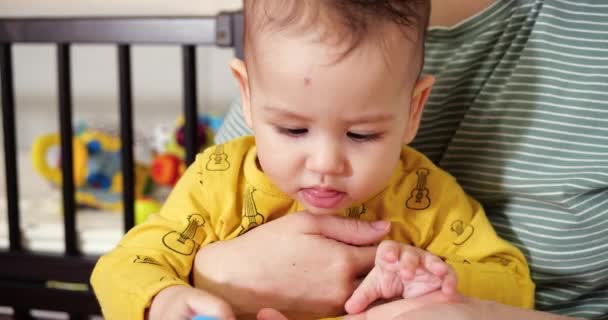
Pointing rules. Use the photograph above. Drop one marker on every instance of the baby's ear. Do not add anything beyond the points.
(420, 95)
(239, 71)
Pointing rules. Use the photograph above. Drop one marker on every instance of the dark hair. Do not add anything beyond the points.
(355, 18)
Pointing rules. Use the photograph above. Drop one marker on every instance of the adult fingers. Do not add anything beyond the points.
(346, 230)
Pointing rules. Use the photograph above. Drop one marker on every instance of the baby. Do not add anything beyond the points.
(332, 91)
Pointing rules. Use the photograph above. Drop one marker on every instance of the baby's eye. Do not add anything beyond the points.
(292, 132)
(359, 137)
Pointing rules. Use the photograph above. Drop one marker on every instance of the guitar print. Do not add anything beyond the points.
(218, 160)
(356, 212)
(462, 233)
(419, 197)
(251, 217)
(182, 242)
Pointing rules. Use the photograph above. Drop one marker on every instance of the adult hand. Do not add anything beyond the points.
(304, 264)
(397, 309)
(439, 306)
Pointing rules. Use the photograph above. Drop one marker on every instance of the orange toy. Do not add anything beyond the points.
(166, 169)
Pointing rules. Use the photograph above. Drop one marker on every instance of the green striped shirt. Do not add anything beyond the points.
(519, 115)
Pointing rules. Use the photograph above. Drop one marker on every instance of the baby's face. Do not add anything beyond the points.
(329, 131)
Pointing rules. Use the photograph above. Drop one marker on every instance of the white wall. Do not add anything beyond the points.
(157, 70)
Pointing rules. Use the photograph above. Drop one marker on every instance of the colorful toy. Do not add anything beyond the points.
(96, 163)
(168, 164)
(166, 169)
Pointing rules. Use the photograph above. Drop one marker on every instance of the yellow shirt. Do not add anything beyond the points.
(223, 194)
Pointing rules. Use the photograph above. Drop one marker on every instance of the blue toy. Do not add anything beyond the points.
(200, 317)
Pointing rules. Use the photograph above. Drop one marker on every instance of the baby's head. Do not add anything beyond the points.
(332, 90)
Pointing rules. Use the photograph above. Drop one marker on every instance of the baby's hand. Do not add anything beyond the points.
(402, 271)
(183, 303)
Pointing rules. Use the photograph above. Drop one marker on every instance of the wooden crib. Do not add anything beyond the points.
(59, 282)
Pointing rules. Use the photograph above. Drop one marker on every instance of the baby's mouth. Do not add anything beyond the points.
(324, 198)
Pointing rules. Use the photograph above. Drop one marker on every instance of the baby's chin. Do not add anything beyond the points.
(338, 211)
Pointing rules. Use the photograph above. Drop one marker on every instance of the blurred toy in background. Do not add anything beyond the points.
(144, 207)
(96, 163)
(168, 164)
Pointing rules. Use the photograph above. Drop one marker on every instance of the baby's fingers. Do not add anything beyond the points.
(449, 284)
(367, 292)
(398, 258)
(444, 271)
(270, 314)
(435, 265)
(209, 305)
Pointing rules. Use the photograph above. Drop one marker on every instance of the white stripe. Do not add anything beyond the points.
(589, 277)
(507, 153)
(563, 45)
(533, 85)
(534, 78)
(572, 176)
(550, 104)
(467, 160)
(545, 295)
(561, 97)
(586, 13)
(575, 267)
(513, 194)
(564, 63)
(566, 212)
(577, 21)
(530, 145)
(564, 204)
(534, 68)
(578, 4)
(583, 31)
(561, 125)
(563, 260)
(565, 223)
(525, 186)
(551, 246)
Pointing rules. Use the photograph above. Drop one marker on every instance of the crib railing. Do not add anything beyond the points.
(60, 282)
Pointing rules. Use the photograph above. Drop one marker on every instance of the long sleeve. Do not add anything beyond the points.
(487, 266)
(156, 254)
(441, 218)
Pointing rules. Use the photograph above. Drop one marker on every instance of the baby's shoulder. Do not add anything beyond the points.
(417, 172)
(225, 157)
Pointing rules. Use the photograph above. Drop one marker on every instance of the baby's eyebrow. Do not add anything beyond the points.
(285, 113)
(371, 118)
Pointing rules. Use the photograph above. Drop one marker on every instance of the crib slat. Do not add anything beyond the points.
(126, 134)
(66, 130)
(190, 102)
(10, 149)
(111, 30)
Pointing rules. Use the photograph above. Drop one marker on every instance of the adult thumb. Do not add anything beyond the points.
(353, 231)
